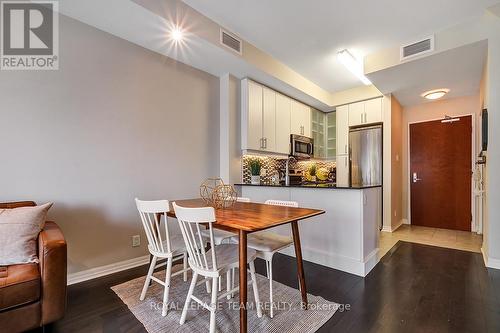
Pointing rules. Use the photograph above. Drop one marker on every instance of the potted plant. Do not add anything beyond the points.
(255, 166)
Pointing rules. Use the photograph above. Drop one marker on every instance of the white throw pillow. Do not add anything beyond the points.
(19, 229)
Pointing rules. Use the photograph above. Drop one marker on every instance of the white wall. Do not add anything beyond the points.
(230, 126)
(116, 121)
(491, 248)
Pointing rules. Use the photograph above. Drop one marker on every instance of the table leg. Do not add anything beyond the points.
(300, 266)
(243, 280)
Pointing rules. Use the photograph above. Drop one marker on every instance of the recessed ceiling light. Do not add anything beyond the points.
(177, 34)
(353, 65)
(435, 94)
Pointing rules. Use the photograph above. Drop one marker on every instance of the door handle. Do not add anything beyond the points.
(415, 177)
(365, 117)
(261, 143)
(345, 149)
(361, 118)
(265, 143)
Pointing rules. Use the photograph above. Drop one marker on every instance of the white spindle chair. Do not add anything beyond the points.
(161, 245)
(218, 260)
(222, 235)
(267, 244)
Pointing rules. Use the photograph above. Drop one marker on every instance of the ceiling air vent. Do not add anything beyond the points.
(418, 48)
(231, 41)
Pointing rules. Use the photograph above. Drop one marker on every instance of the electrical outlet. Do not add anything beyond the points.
(136, 240)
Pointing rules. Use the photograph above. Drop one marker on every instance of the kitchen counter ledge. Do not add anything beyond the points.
(312, 186)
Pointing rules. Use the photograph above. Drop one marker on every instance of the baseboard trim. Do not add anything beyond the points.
(389, 228)
(490, 262)
(335, 261)
(96, 272)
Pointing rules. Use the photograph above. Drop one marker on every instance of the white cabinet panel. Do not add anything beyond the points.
(356, 113)
(283, 105)
(373, 111)
(342, 125)
(254, 129)
(306, 120)
(300, 119)
(269, 119)
(342, 170)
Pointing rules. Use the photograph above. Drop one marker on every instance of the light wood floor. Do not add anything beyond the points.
(452, 239)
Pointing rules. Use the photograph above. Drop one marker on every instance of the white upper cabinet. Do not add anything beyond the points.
(283, 106)
(252, 102)
(300, 119)
(366, 112)
(342, 123)
(356, 113)
(373, 111)
(269, 119)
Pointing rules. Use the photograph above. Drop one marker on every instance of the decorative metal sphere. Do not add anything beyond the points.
(217, 194)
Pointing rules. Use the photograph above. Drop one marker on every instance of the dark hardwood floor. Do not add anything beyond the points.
(414, 288)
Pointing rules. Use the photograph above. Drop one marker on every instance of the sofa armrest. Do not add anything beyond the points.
(52, 254)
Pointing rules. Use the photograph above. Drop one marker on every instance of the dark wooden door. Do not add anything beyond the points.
(440, 174)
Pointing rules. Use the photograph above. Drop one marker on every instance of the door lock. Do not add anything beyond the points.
(415, 177)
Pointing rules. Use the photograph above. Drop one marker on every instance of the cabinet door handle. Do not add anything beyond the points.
(261, 143)
(345, 149)
(365, 117)
(345, 160)
(361, 118)
(265, 143)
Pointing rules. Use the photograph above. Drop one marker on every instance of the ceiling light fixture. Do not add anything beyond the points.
(353, 65)
(177, 34)
(435, 94)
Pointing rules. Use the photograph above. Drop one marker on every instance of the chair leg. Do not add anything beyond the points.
(233, 273)
(228, 283)
(255, 290)
(166, 290)
(271, 288)
(148, 278)
(188, 297)
(185, 265)
(213, 304)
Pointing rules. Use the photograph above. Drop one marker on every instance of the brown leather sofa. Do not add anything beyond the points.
(34, 295)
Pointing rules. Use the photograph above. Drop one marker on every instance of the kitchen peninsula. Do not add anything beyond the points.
(345, 237)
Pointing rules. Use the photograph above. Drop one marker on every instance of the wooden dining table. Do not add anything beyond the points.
(243, 218)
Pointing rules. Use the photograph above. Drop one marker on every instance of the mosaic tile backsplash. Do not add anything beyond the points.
(271, 166)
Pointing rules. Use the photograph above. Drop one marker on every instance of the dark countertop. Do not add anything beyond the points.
(318, 186)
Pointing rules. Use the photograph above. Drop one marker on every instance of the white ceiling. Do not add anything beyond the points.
(459, 69)
(140, 26)
(306, 35)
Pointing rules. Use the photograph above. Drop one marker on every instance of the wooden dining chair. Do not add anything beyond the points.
(211, 264)
(161, 245)
(267, 244)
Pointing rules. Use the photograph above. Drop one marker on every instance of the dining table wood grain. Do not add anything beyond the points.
(243, 218)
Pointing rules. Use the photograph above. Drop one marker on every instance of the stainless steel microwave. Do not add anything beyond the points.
(301, 146)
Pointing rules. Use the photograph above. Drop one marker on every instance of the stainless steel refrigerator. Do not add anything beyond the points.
(365, 156)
